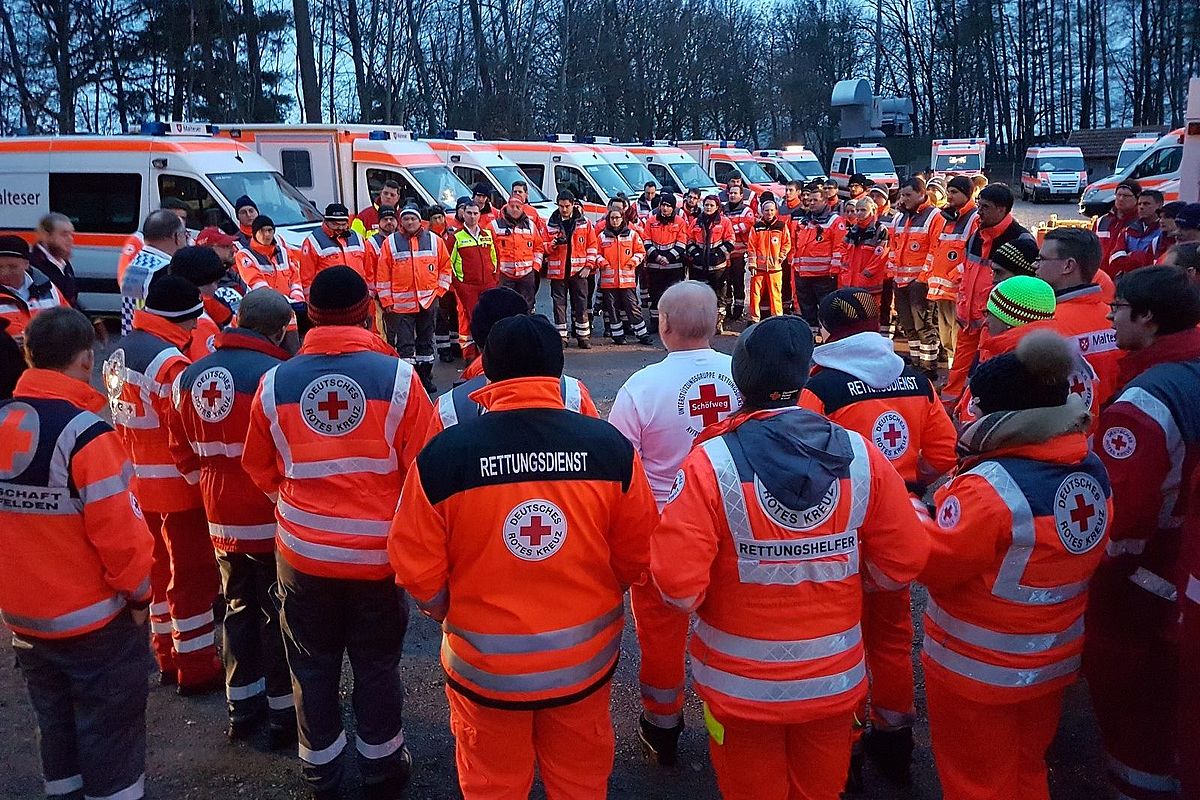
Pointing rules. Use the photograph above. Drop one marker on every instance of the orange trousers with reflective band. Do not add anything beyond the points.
(888, 639)
(966, 346)
(771, 284)
(760, 761)
(662, 637)
(991, 752)
(495, 750)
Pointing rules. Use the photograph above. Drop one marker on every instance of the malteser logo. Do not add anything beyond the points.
(9, 198)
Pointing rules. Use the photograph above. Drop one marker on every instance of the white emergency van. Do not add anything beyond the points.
(107, 185)
(675, 170)
(724, 159)
(793, 163)
(950, 157)
(870, 160)
(1157, 167)
(1053, 172)
(628, 166)
(350, 163)
(474, 162)
(562, 162)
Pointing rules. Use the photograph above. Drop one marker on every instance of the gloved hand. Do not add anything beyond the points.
(301, 309)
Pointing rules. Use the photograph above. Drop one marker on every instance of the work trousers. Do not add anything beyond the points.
(526, 286)
(947, 327)
(966, 348)
(887, 296)
(1133, 676)
(913, 313)
(662, 639)
(715, 278)
(445, 328)
(571, 291)
(89, 694)
(789, 281)
(496, 749)
(183, 581)
(987, 751)
(766, 288)
(622, 314)
(809, 294)
(255, 664)
(468, 296)
(888, 640)
(735, 282)
(324, 619)
(760, 761)
(412, 334)
(659, 279)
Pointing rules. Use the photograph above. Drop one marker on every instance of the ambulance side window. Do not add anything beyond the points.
(296, 166)
(105, 202)
(571, 178)
(470, 176)
(203, 210)
(408, 193)
(661, 175)
(723, 171)
(536, 174)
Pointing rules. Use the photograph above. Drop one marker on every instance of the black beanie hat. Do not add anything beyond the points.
(14, 246)
(174, 299)
(1017, 256)
(338, 296)
(481, 188)
(771, 361)
(494, 305)
(524, 346)
(962, 183)
(1035, 375)
(243, 202)
(199, 266)
(849, 311)
(667, 199)
(260, 222)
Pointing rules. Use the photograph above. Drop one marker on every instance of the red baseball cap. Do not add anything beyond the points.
(214, 236)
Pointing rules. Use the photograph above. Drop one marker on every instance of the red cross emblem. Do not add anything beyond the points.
(17, 439)
(1082, 513)
(1119, 442)
(892, 435)
(709, 405)
(535, 530)
(211, 395)
(1077, 385)
(332, 406)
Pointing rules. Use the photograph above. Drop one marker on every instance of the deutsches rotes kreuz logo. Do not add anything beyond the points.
(1080, 512)
(890, 435)
(333, 405)
(535, 530)
(213, 395)
(795, 520)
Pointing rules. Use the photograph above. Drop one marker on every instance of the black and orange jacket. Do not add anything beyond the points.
(520, 533)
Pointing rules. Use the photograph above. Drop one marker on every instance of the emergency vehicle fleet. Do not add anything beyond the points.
(108, 184)
(474, 162)
(1156, 167)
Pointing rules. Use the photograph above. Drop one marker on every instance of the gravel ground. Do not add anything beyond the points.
(189, 758)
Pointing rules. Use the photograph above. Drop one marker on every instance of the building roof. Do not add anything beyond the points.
(1106, 142)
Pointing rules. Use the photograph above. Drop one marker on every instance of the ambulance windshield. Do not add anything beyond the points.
(507, 175)
(441, 184)
(949, 162)
(610, 183)
(874, 165)
(636, 175)
(691, 176)
(274, 196)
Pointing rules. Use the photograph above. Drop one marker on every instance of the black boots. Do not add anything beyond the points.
(425, 373)
(660, 744)
(892, 752)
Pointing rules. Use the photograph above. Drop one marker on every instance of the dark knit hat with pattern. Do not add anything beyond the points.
(849, 311)
(1017, 256)
(338, 296)
(771, 361)
(174, 299)
(1035, 375)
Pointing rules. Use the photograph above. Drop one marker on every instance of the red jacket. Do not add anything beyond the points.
(213, 399)
(741, 220)
(1138, 244)
(139, 375)
(40, 294)
(1108, 228)
(817, 244)
(861, 260)
(76, 547)
(776, 520)
(710, 241)
(332, 431)
(666, 238)
(976, 282)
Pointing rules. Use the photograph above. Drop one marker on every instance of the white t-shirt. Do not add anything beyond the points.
(662, 408)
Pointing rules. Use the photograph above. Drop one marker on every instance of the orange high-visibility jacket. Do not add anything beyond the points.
(1082, 315)
(76, 548)
(817, 243)
(948, 252)
(769, 246)
(768, 544)
(577, 250)
(274, 267)
(976, 282)
(914, 235)
(20, 311)
(741, 219)
(519, 245)
(321, 250)
(666, 238)
(520, 532)
(1017, 535)
(456, 405)
(618, 255)
(862, 256)
(212, 398)
(413, 271)
(138, 376)
(332, 432)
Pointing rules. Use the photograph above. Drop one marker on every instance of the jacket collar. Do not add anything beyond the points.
(332, 340)
(735, 420)
(776, 224)
(1181, 346)
(520, 393)
(157, 326)
(263, 250)
(472, 370)
(51, 385)
(242, 339)
(1057, 434)
(990, 234)
(1089, 291)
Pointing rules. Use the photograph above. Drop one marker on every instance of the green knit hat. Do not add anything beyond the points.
(1021, 300)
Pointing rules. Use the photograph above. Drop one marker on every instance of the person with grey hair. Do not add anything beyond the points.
(144, 257)
(661, 410)
(213, 398)
(52, 254)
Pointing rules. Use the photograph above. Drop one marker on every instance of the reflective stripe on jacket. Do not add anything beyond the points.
(519, 247)
(276, 268)
(577, 250)
(618, 255)
(76, 547)
(456, 405)
(948, 252)
(914, 235)
(769, 246)
(817, 244)
(413, 271)
(666, 238)
(320, 251)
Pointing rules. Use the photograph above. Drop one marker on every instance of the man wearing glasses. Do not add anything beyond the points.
(1069, 260)
(1124, 211)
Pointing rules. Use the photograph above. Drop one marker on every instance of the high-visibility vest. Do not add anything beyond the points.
(413, 271)
(915, 233)
(946, 265)
(320, 251)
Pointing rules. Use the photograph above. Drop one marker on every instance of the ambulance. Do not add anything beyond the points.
(1053, 172)
(350, 163)
(870, 160)
(107, 185)
(473, 162)
(724, 159)
(1156, 168)
(950, 157)
(627, 165)
(562, 162)
(793, 163)
(675, 170)
(1131, 148)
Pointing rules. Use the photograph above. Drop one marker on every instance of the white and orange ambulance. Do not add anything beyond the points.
(675, 170)
(870, 160)
(950, 157)
(107, 185)
(473, 162)
(1050, 173)
(1156, 168)
(793, 163)
(563, 162)
(724, 159)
